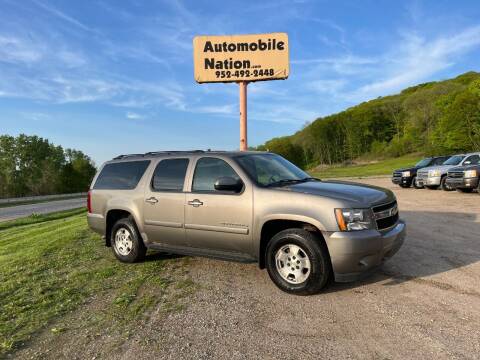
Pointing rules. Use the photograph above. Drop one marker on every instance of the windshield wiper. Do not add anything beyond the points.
(291, 181)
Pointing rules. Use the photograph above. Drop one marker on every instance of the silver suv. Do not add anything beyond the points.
(245, 206)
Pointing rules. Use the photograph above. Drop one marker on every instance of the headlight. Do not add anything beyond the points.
(433, 173)
(354, 219)
(470, 173)
(406, 173)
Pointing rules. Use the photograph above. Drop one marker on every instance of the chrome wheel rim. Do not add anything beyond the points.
(123, 242)
(293, 264)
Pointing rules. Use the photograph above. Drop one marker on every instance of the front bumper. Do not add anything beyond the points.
(462, 183)
(429, 181)
(357, 253)
(401, 180)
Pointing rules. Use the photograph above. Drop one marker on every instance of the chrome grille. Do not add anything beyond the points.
(422, 175)
(455, 174)
(386, 215)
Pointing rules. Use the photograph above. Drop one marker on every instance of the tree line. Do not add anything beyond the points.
(432, 118)
(31, 165)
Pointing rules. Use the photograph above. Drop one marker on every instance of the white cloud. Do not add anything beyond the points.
(417, 59)
(14, 49)
(133, 116)
(62, 15)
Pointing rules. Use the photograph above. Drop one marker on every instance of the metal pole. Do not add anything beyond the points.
(243, 115)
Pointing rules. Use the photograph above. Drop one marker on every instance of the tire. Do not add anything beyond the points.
(443, 184)
(127, 245)
(309, 258)
(414, 183)
(404, 186)
(464, 190)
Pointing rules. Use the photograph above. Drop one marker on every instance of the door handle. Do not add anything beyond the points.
(195, 203)
(152, 200)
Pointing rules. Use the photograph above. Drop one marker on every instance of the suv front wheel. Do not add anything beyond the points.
(298, 262)
(126, 242)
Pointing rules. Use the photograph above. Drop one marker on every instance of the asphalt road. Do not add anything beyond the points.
(15, 212)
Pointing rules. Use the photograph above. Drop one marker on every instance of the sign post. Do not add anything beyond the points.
(241, 59)
(243, 116)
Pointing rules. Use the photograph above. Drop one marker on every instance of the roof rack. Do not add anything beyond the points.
(126, 156)
(153, 153)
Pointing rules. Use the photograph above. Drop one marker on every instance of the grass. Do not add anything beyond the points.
(382, 167)
(29, 202)
(51, 264)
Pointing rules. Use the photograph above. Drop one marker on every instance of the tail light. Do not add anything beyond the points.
(89, 202)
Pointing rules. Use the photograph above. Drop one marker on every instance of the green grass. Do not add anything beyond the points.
(51, 264)
(29, 202)
(382, 167)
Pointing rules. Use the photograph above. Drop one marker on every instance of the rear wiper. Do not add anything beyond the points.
(291, 181)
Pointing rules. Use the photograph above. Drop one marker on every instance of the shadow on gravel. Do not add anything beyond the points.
(158, 256)
(436, 242)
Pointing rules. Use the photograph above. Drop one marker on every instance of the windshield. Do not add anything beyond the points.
(270, 169)
(454, 160)
(423, 163)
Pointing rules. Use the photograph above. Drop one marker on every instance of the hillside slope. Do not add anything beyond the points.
(431, 118)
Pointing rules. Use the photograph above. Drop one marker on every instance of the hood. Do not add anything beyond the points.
(411, 168)
(356, 195)
(442, 168)
(465, 168)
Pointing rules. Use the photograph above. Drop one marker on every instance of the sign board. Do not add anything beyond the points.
(235, 58)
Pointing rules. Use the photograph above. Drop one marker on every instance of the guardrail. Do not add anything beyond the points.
(41, 198)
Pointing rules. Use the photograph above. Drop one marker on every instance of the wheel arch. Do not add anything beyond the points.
(111, 217)
(273, 226)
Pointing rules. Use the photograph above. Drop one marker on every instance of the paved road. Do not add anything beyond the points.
(15, 212)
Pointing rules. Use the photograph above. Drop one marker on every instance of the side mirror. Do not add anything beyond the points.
(227, 183)
(468, 162)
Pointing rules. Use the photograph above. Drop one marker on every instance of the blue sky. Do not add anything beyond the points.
(110, 77)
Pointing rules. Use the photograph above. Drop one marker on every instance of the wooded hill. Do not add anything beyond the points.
(432, 118)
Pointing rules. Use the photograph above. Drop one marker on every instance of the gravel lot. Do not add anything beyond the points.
(15, 212)
(423, 303)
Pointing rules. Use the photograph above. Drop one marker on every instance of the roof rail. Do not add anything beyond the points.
(172, 152)
(126, 156)
(152, 153)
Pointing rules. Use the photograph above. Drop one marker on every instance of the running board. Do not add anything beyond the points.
(214, 254)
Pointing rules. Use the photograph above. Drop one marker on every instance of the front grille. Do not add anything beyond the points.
(397, 174)
(386, 215)
(455, 174)
(422, 175)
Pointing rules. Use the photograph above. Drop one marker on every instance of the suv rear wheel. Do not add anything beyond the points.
(298, 262)
(126, 242)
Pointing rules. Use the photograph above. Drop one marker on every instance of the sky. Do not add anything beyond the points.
(111, 77)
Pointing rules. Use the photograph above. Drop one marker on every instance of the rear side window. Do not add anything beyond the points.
(169, 175)
(208, 170)
(121, 175)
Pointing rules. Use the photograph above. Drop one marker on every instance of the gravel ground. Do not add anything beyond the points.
(15, 212)
(423, 303)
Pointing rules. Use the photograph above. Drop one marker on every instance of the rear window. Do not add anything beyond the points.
(121, 175)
